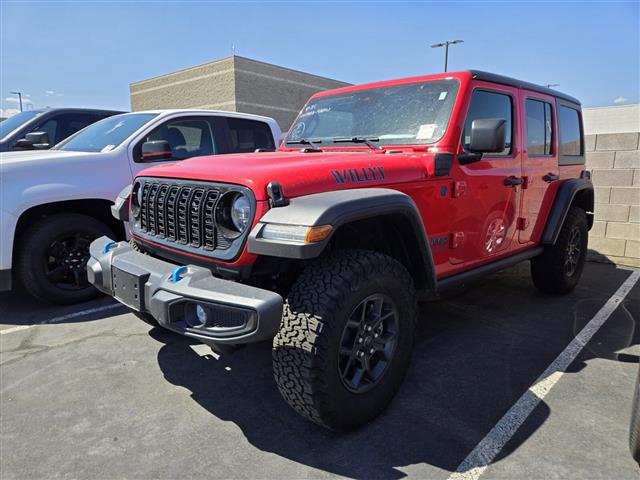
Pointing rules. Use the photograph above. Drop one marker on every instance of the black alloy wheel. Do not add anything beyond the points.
(368, 343)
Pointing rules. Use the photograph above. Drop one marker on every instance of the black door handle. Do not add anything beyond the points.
(551, 177)
(513, 181)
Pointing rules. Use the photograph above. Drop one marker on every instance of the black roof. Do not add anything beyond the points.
(492, 77)
(77, 110)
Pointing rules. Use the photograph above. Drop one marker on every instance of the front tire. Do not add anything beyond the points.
(559, 268)
(51, 261)
(346, 338)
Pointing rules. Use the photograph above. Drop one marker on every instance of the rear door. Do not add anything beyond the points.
(539, 163)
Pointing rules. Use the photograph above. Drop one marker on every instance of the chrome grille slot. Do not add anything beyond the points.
(195, 217)
(209, 239)
(153, 207)
(172, 198)
(182, 207)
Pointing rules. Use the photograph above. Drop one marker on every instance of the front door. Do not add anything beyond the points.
(486, 213)
(540, 163)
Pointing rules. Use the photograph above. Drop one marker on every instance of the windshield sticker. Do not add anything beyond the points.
(107, 148)
(297, 131)
(442, 96)
(425, 132)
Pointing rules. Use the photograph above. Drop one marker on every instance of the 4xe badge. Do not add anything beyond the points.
(358, 175)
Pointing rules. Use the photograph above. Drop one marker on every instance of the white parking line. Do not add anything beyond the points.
(62, 318)
(474, 465)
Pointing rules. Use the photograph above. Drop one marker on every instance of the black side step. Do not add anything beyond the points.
(461, 279)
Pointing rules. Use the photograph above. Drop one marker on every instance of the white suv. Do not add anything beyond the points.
(54, 203)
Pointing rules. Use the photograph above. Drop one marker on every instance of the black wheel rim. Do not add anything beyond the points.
(368, 343)
(574, 248)
(65, 264)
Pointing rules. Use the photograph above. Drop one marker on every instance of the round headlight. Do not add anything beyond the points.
(240, 212)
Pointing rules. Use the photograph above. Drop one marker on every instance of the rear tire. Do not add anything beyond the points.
(51, 261)
(634, 430)
(319, 362)
(559, 268)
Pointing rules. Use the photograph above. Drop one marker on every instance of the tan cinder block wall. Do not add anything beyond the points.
(614, 161)
(234, 84)
(277, 92)
(211, 85)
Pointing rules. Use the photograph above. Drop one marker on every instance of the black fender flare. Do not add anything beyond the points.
(338, 208)
(568, 193)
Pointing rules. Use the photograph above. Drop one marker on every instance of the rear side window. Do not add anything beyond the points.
(249, 135)
(570, 134)
(489, 105)
(539, 128)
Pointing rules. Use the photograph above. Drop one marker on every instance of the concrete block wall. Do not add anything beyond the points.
(614, 162)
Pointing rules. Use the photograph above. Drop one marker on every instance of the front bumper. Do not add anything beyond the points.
(234, 313)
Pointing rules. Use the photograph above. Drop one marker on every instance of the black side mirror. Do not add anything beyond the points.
(488, 135)
(156, 150)
(34, 140)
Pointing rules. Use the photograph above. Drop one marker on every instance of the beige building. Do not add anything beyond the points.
(236, 84)
(613, 156)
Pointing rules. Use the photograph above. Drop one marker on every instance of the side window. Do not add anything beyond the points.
(248, 135)
(65, 125)
(569, 128)
(49, 126)
(485, 104)
(187, 137)
(539, 127)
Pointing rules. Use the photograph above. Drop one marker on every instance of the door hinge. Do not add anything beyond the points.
(456, 239)
(522, 223)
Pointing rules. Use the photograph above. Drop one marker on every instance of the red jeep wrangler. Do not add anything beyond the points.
(381, 195)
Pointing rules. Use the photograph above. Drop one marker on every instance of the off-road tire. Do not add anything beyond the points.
(548, 270)
(33, 250)
(305, 350)
(634, 430)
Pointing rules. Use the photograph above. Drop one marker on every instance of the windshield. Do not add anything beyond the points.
(10, 124)
(106, 134)
(416, 113)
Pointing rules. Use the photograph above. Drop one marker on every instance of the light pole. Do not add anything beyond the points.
(19, 98)
(446, 44)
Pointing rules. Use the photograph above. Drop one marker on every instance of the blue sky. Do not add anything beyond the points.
(87, 53)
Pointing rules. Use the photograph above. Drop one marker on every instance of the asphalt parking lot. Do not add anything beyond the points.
(95, 393)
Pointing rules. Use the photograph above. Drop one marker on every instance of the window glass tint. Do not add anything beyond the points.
(16, 121)
(248, 135)
(50, 127)
(416, 113)
(489, 105)
(569, 126)
(107, 134)
(539, 127)
(187, 137)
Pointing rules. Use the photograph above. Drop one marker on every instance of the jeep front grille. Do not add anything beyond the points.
(182, 213)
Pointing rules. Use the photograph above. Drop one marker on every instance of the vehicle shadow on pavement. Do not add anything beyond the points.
(477, 352)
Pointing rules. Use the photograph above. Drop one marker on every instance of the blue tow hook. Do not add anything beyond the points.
(107, 246)
(177, 273)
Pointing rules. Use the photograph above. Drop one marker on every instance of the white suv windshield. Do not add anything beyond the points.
(415, 113)
(106, 134)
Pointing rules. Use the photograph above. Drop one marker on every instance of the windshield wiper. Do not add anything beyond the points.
(306, 141)
(368, 141)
